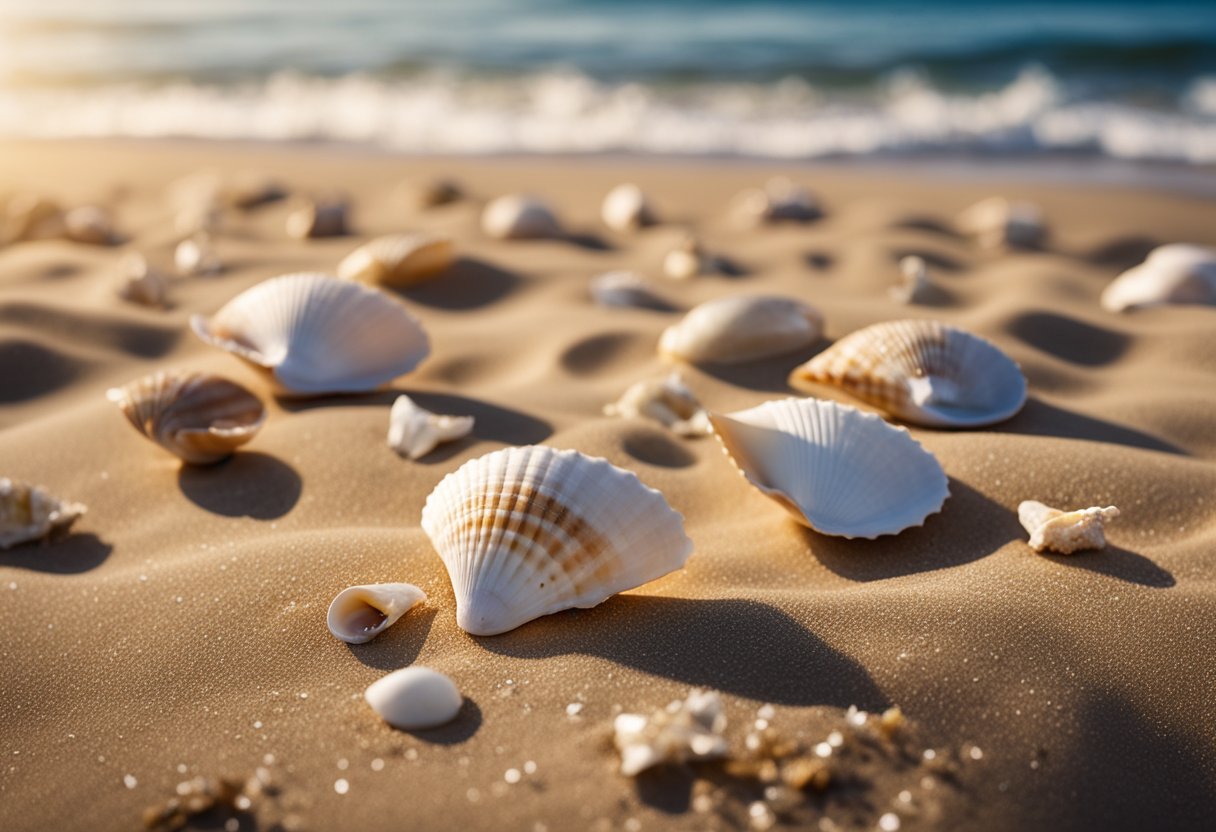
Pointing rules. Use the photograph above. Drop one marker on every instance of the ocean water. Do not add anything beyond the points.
(790, 80)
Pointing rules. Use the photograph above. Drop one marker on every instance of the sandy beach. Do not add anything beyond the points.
(179, 631)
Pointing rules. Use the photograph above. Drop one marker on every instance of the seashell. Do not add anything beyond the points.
(997, 222)
(319, 218)
(1176, 273)
(415, 432)
(28, 512)
(140, 283)
(666, 400)
(197, 256)
(735, 329)
(833, 468)
(915, 286)
(689, 259)
(199, 417)
(627, 289)
(90, 225)
(437, 192)
(519, 217)
(1064, 531)
(692, 729)
(31, 217)
(923, 372)
(399, 260)
(626, 208)
(360, 613)
(780, 200)
(248, 189)
(414, 698)
(526, 532)
(315, 334)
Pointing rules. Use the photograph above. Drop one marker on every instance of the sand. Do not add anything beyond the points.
(180, 631)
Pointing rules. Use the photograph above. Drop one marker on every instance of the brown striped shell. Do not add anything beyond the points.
(526, 532)
(399, 260)
(199, 417)
(923, 372)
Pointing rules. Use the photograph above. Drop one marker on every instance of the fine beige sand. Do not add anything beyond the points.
(180, 630)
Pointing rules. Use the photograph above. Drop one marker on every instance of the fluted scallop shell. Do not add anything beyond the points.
(360, 613)
(519, 217)
(316, 334)
(399, 259)
(199, 417)
(627, 208)
(529, 531)
(742, 328)
(923, 372)
(1175, 273)
(834, 468)
(29, 512)
(627, 289)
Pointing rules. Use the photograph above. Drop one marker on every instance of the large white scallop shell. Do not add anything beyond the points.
(199, 417)
(28, 512)
(923, 372)
(833, 468)
(742, 328)
(399, 259)
(1175, 273)
(519, 217)
(627, 208)
(316, 334)
(526, 532)
(414, 698)
(360, 613)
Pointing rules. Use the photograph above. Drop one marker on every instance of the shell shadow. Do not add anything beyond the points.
(1069, 339)
(462, 728)
(72, 554)
(938, 544)
(400, 644)
(738, 646)
(142, 340)
(655, 447)
(932, 225)
(820, 261)
(765, 375)
(1038, 418)
(29, 370)
(935, 260)
(1122, 252)
(247, 484)
(589, 241)
(469, 284)
(1116, 562)
(599, 353)
(936, 296)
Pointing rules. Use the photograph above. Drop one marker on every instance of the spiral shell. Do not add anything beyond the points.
(360, 613)
(399, 260)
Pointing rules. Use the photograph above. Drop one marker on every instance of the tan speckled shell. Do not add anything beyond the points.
(399, 260)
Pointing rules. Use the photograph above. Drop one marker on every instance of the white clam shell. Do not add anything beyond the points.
(627, 208)
(742, 328)
(780, 200)
(196, 255)
(519, 217)
(414, 698)
(525, 532)
(140, 283)
(199, 417)
(1064, 531)
(435, 193)
(997, 221)
(834, 468)
(1175, 273)
(627, 289)
(360, 613)
(316, 334)
(415, 432)
(399, 260)
(665, 400)
(319, 218)
(914, 286)
(923, 372)
(29, 512)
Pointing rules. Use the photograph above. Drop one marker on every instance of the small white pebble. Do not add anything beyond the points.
(12, 585)
(268, 759)
(574, 708)
(341, 786)
(343, 764)
(930, 754)
(377, 764)
(905, 796)
(243, 803)
(530, 767)
(633, 825)
(257, 724)
(823, 750)
(512, 776)
(472, 795)
(766, 712)
(232, 825)
(302, 695)
(889, 822)
(835, 739)
(976, 753)
(181, 768)
(129, 781)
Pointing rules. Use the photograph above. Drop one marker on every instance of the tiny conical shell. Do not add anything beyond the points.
(914, 285)
(997, 222)
(627, 208)
(319, 218)
(1176, 273)
(519, 217)
(923, 372)
(415, 432)
(199, 417)
(414, 698)
(1064, 531)
(833, 468)
(780, 200)
(665, 400)
(140, 283)
(28, 512)
(735, 329)
(360, 613)
(399, 260)
(627, 289)
(316, 334)
(90, 225)
(526, 532)
(196, 255)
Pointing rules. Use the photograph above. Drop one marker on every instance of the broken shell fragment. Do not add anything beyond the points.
(688, 730)
(665, 400)
(627, 289)
(834, 468)
(1064, 531)
(199, 417)
(399, 260)
(319, 218)
(914, 286)
(414, 698)
(519, 217)
(735, 329)
(414, 432)
(1176, 273)
(627, 208)
(360, 613)
(29, 512)
(996, 222)
(140, 283)
(780, 200)
(197, 256)
(90, 225)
